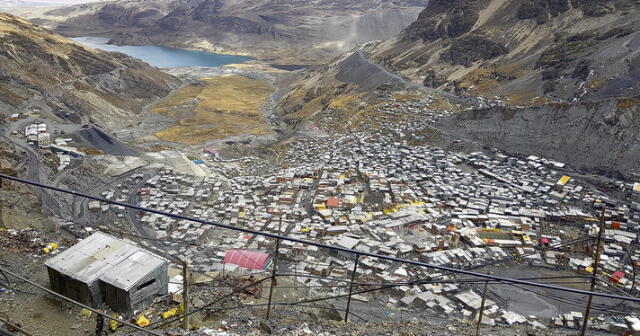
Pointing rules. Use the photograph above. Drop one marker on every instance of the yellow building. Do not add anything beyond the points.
(562, 182)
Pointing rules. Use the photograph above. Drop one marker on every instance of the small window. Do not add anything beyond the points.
(147, 284)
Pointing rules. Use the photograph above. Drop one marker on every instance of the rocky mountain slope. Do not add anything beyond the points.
(566, 71)
(20, 206)
(570, 67)
(297, 30)
(601, 138)
(45, 72)
(526, 52)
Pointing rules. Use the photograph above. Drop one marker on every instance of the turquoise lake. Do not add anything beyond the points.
(165, 57)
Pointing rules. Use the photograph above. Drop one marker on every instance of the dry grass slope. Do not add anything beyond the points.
(215, 109)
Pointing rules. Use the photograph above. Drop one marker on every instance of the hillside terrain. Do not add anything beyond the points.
(566, 71)
(292, 31)
(412, 155)
(45, 72)
(525, 52)
(19, 201)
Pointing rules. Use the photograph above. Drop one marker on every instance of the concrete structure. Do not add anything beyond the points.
(103, 269)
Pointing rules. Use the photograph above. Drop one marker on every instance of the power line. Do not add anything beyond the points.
(77, 303)
(326, 246)
(193, 311)
(382, 287)
(421, 281)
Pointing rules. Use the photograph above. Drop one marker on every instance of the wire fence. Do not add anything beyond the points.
(347, 287)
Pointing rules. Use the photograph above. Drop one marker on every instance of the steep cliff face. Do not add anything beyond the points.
(526, 52)
(316, 30)
(38, 67)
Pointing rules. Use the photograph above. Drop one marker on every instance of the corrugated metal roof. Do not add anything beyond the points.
(246, 259)
(636, 187)
(128, 273)
(564, 180)
(93, 256)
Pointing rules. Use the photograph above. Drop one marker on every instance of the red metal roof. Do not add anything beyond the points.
(246, 259)
(333, 202)
(544, 240)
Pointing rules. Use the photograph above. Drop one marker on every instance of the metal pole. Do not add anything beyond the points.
(594, 275)
(353, 276)
(1, 209)
(273, 277)
(484, 295)
(185, 294)
(15, 327)
(273, 272)
(47, 290)
(99, 325)
(330, 247)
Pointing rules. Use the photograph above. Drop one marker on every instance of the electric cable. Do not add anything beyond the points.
(323, 245)
(78, 303)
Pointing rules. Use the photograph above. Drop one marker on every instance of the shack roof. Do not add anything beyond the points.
(564, 180)
(333, 202)
(636, 187)
(94, 256)
(246, 259)
(130, 271)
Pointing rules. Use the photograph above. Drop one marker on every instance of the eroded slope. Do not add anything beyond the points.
(44, 71)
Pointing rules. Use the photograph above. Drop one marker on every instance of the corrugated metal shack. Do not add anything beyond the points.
(104, 269)
(135, 282)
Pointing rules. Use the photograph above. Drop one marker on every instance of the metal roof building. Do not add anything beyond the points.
(247, 259)
(104, 269)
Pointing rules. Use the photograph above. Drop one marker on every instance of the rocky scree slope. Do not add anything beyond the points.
(296, 30)
(43, 71)
(345, 90)
(602, 138)
(526, 52)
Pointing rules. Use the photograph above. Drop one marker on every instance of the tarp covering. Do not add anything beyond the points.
(246, 259)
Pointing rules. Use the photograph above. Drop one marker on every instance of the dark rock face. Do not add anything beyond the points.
(562, 57)
(119, 16)
(433, 80)
(207, 11)
(547, 45)
(541, 10)
(445, 19)
(465, 51)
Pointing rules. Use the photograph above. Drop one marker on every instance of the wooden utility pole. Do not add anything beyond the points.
(594, 275)
(274, 270)
(353, 277)
(185, 294)
(481, 312)
(1, 208)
